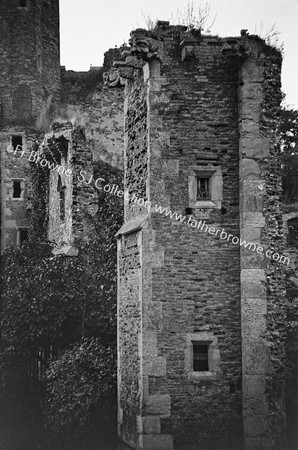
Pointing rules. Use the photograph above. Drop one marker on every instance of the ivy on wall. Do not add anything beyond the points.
(63, 303)
(39, 179)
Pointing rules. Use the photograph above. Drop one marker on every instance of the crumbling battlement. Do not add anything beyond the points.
(99, 110)
(145, 45)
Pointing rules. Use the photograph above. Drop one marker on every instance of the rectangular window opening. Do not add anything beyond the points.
(200, 357)
(17, 190)
(293, 232)
(23, 3)
(203, 188)
(17, 141)
(23, 235)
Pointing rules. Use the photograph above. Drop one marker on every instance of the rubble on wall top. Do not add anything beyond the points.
(61, 126)
(145, 45)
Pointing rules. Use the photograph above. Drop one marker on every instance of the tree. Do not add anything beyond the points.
(289, 148)
(270, 35)
(81, 394)
(196, 14)
(65, 305)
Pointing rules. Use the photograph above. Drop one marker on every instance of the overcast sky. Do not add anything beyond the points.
(90, 27)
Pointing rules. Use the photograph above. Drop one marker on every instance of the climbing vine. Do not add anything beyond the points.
(68, 304)
(39, 179)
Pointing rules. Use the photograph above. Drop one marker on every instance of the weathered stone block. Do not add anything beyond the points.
(254, 385)
(149, 345)
(159, 405)
(151, 425)
(252, 202)
(253, 219)
(258, 443)
(255, 405)
(252, 283)
(256, 359)
(155, 366)
(257, 148)
(252, 72)
(253, 235)
(249, 169)
(255, 426)
(157, 258)
(156, 442)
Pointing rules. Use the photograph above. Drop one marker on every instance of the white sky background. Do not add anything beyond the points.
(91, 27)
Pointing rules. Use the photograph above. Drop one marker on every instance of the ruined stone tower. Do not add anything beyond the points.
(29, 85)
(201, 345)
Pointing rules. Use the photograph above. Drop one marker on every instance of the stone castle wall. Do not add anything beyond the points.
(185, 107)
(30, 60)
(31, 95)
(263, 303)
(29, 84)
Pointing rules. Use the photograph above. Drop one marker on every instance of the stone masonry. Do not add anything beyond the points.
(201, 322)
(29, 84)
(200, 108)
(34, 92)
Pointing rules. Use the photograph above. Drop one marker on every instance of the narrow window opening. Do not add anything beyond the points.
(23, 235)
(200, 357)
(203, 188)
(39, 63)
(62, 205)
(293, 232)
(17, 190)
(61, 190)
(17, 141)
